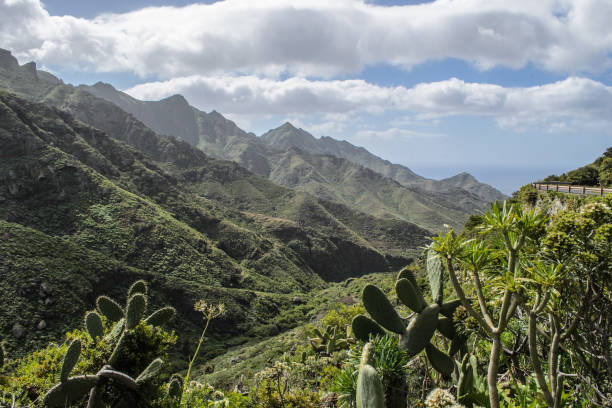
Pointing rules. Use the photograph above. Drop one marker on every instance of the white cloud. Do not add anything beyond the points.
(574, 99)
(314, 37)
(393, 134)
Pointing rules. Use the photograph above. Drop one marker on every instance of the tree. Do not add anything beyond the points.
(511, 230)
(605, 171)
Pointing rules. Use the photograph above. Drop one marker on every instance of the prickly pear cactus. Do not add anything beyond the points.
(416, 335)
(72, 389)
(370, 391)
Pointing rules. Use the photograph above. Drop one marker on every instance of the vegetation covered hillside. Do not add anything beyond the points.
(598, 173)
(294, 158)
(73, 183)
(512, 313)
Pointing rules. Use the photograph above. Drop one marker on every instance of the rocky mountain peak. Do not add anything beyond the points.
(463, 177)
(103, 86)
(176, 99)
(7, 61)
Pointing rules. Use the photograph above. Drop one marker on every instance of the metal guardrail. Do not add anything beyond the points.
(572, 189)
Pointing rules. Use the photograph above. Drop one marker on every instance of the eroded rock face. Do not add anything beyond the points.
(7, 61)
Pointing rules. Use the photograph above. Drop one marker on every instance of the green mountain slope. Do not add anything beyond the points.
(292, 157)
(594, 174)
(340, 180)
(455, 188)
(173, 212)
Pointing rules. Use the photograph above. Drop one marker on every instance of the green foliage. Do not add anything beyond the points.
(605, 172)
(2, 355)
(342, 315)
(527, 195)
(130, 353)
(331, 339)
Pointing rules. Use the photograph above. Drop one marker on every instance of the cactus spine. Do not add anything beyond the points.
(417, 334)
(71, 389)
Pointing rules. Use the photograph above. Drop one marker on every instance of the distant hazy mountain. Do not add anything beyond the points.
(293, 157)
(287, 136)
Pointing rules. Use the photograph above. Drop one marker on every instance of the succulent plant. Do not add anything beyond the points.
(471, 388)
(416, 334)
(71, 389)
(370, 391)
(330, 340)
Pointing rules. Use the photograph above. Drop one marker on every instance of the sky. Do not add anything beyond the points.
(509, 91)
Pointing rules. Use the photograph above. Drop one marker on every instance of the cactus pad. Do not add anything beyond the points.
(93, 324)
(363, 327)
(410, 296)
(139, 286)
(175, 388)
(406, 273)
(448, 308)
(370, 391)
(435, 273)
(70, 359)
(151, 371)
(447, 327)
(420, 330)
(109, 308)
(381, 310)
(441, 362)
(73, 389)
(135, 310)
(161, 316)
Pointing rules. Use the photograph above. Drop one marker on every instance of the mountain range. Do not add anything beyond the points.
(98, 189)
(91, 198)
(328, 168)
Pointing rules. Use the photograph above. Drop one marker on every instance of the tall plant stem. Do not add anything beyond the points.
(195, 355)
(492, 373)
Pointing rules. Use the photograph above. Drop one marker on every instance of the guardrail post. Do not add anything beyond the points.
(583, 189)
(601, 194)
(547, 187)
(557, 187)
